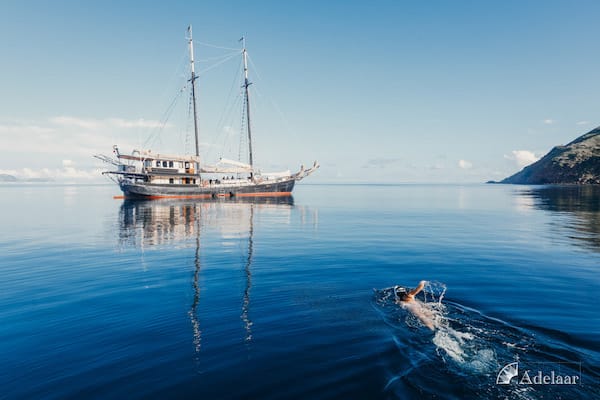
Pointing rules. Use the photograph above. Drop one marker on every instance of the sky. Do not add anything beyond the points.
(376, 91)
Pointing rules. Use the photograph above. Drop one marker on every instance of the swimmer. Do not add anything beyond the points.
(408, 301)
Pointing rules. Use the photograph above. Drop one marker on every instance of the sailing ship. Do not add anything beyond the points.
(150, 175)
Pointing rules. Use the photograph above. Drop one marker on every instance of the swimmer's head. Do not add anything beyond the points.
(401, 293)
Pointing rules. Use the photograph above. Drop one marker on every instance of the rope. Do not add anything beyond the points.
(273, 103)
(218, 57)
(188, 126)
(224, 117)
(226, 139)
(228, 108)
(153, 136)
(218, 63)
(254, 69)
(214, 46)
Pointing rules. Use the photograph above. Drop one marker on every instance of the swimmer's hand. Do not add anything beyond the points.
(417, 289)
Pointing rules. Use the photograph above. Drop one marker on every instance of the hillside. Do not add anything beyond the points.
(7, 178)
(575, 163)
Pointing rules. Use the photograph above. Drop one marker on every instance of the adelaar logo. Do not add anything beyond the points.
(508, 372)
(540, 373)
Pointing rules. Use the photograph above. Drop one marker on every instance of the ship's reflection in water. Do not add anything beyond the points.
(576, 210)
(145, 223)
(187, 223)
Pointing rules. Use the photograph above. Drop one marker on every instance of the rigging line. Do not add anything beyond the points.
(249, 124)
(229, 132)
(226, 111)
(158, 129)
(286, 122)
(190, 128)
(188, 124)
(254, 69)
(243, 121)
(273, 103)
(222, 134)
(177, 74)
(213, 46)
(218, 57)
(217, 64)
(245, 125)
(164, 118)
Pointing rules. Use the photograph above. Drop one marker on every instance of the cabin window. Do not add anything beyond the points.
(187, 164)
(194, 181)
(170, 164)
(171, 180)
(157, 163)
(187, 181)
(165, 164)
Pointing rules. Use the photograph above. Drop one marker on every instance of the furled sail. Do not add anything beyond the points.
(226, 166)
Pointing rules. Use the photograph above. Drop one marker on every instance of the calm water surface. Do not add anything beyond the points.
(105, 298)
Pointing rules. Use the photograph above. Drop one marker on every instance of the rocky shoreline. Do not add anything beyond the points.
(578, 163)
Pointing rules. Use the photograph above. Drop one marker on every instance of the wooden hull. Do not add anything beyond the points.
(157, 191)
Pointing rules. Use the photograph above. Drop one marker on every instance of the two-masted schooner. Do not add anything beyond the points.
(148, 174)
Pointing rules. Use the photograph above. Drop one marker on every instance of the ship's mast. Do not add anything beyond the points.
(247, 101)
(193, 81)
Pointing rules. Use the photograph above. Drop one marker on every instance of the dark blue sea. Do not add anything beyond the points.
(293, 298)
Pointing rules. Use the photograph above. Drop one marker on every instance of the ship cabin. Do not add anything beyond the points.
(161, 168)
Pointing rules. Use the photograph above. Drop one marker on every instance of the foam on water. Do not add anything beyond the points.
(466, 343)
(454, 340)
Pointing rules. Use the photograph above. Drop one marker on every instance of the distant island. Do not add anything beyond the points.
(12, 178)
(575, 163)
(7, 178)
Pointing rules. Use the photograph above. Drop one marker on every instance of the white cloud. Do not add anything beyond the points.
(94, 124)
(549, 121)
(61, 148)
(32, 129)
(85, 123)
(59, 143)
(583, 122)
(136, 123)
(68, 138)
(464, 164)
(522, 157)
(67, 173)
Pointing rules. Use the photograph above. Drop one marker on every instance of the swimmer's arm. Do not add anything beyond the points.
(417, 289)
